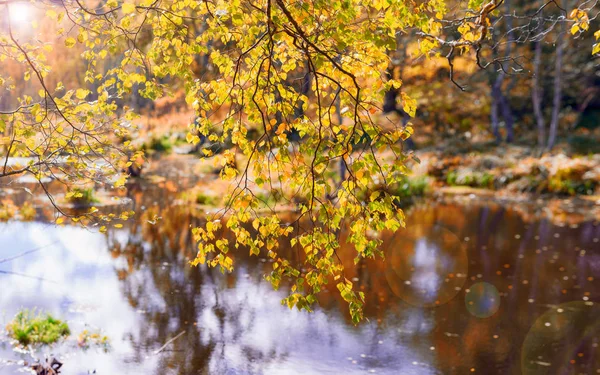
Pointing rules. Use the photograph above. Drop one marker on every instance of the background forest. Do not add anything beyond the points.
(533, 93)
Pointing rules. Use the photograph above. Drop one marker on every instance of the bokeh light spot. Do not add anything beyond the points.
(482, 300)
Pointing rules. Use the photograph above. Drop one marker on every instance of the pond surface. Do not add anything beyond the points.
(471, 287)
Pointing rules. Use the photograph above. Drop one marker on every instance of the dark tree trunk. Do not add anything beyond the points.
(389, 99)
(304, 90)
(397, 58)
(505, 102)
(500, 101)
(340, 119)
(508, 118)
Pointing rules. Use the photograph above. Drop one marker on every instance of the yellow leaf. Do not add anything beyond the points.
(409, 105)
(70, 42)
(128, 8)
(585, 25)
(121, 181)
(30, 143)
(81, 94)
(51, 13)
(574, 13)
(189, 137)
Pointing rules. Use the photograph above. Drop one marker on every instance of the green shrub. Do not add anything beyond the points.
(413, 187)
(269, 198)
(30, 328)
(82, 196)
(204, 199)
(161, 144)
(584, 144)
(470, 178)
(570, 186)
(451, 178)
(486, 180)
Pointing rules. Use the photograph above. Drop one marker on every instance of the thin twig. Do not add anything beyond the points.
(27, 276)
(168, 342)
(26, 252)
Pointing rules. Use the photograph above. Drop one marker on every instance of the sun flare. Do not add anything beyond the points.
(20, 13)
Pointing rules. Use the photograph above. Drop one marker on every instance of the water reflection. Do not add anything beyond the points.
(136, 284)
(80, 284)
(564, 340)
(427, 265)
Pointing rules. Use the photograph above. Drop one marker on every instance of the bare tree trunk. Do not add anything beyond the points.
(556, 102)
(536, 96)
(495, 118)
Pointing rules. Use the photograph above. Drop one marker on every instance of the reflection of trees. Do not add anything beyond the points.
(166, 295)
(501, 250)
(172, 296)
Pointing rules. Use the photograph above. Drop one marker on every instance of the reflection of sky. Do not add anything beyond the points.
(82, 286)
(253, 334)
(303, 343)
(425, 279)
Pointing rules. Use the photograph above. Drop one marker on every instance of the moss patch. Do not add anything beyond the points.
(29, 328)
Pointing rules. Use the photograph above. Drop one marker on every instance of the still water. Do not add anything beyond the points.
(470, 287)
